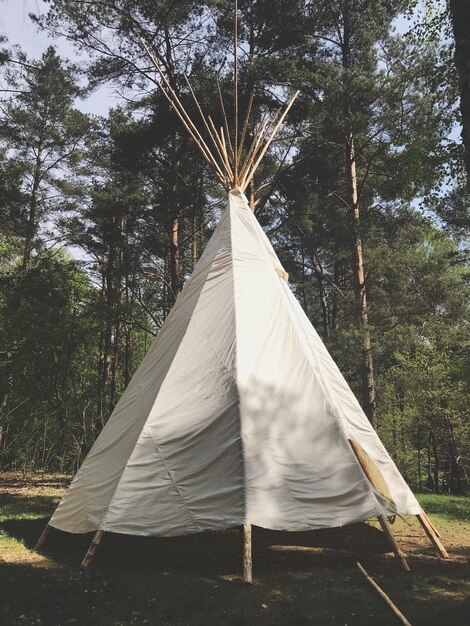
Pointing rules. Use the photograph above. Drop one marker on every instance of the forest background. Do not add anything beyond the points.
(365, 196)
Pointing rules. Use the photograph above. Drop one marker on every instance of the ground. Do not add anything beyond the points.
(300, 578)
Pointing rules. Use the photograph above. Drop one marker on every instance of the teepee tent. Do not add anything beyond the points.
(238, 414)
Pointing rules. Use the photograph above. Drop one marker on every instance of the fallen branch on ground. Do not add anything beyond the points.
(383, 595)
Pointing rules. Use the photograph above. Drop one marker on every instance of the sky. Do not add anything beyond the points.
(19, 29)
(17, 26)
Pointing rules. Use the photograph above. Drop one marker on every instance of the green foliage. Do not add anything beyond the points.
(42, 135)
(118, 189)
(449, 509)
(48, 337)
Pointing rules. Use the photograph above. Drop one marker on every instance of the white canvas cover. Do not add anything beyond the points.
(236, 414)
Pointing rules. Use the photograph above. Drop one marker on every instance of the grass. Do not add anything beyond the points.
(300, 578)
(446, 509)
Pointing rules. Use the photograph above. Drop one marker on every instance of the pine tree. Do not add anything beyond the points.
(44, 134)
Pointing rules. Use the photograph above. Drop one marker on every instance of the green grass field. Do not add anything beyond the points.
(300, 578)
(447, 509)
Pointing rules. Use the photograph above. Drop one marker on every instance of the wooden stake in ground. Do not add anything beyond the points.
(247, 559)
(92, 549)
(393, 542)
(431, 533)
(42, 539)
(383, 595)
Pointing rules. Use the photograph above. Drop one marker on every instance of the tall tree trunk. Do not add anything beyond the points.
(31, 225)
(167, 299)
(127, 332)
(197, 223)
(429, 479)
(325, 305)
(105, 356)
(360, 293)
(251, 195)
(460, 16)
(304, 292)
(418, 447)
(126, 272)
(175, 279)
(120, 238)
(114, 360)
(455, 477)
(4, 398)
(101, 382)
(109, 305)
(435, 452)
(175, 257)
(357, 261)
(335, 313)
(3, 417)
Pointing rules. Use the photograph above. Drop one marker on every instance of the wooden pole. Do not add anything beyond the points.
(423, 512)
(205, 153)
(262, 132)
(259, 136)
(44, 535)
(251, 195)
(383, 595)
(183, 115)
(247, 557)
(245, 127)
(224, 116)
(201, 113)
(428, 529)
(268, 143)
(222, 150)
(222, 138)
(92, 549)
(393, 542)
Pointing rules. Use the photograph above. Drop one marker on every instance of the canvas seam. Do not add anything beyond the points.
(230, 377)
(284, 287)
(170, 474)
(103, 519)
(242, 443)
(336, 414)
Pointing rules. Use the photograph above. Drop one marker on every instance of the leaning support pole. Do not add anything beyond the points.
(92, 549)
(431, 533)
(383, 595)
(428, 519)
(393, 542)
(42, 539)
(247, 560)
(259, 157)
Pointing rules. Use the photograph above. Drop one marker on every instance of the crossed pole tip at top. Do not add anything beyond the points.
(225, 157)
